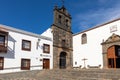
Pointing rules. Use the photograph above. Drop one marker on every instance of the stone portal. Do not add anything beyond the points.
(111, 52)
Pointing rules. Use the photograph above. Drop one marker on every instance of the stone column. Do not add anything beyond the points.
(105, 61)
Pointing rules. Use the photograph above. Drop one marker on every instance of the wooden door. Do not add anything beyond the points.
(111, 63)
(111, 57)
(46, 63)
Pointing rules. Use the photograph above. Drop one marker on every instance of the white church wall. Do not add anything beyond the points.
(92, 50)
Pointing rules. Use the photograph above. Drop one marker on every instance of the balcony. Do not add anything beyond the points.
(3, 41)
(3, 49)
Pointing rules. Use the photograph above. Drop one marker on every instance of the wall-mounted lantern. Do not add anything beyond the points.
(38, 43)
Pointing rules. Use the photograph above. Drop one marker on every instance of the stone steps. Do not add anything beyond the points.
(85, 74)
(62, 74)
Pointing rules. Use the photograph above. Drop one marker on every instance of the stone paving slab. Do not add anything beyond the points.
(18, 79)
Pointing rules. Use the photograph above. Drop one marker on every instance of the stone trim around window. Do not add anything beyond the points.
(46, 48)
(26, 45)
(1, 63)
(25, 64)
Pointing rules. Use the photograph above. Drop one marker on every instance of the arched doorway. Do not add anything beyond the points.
(111, 52)
(113, 55)
(62, 60)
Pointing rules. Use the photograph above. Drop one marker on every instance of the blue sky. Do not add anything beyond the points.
(37, 15)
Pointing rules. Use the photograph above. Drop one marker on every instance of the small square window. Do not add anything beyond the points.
(46, 48)
(26, 45)
(25, 64)
(1, 63)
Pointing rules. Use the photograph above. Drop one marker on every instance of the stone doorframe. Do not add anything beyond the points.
(111, 41)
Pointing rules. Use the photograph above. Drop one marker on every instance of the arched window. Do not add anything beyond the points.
(59, 19)
(66, 23)
(84, 38)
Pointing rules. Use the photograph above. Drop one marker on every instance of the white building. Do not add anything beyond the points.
(21, 50)
(98, 46)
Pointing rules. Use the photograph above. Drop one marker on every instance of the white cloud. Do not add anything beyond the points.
(95, 17)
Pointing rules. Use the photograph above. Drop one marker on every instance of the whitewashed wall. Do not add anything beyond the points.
(92, 51)
(48, 33)
(12, 59)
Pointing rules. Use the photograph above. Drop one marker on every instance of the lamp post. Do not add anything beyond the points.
(38, 42)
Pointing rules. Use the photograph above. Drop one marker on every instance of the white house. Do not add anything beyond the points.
(98, 46)
(21, 50)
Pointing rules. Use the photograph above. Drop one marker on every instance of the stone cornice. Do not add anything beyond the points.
(112, 39)
(8, 28)
(63, 47)
(61, 28)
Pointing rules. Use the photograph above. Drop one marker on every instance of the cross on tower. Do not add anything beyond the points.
(62, 2)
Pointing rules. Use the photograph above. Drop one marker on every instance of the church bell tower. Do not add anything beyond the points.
(62, 39)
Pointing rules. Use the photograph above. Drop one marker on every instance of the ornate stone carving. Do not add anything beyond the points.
(112, 38)
(111, 41)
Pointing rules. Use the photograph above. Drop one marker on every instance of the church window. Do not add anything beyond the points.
(84, 39)
(59, 19)
(63, 43)
(75, 63)
(66, 23)
(1, 63)
(25, 64)
(46, 48)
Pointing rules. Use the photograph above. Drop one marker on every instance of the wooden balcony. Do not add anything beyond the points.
(4, 41)
(3, 49)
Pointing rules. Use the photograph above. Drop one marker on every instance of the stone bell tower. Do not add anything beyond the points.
(62, 39)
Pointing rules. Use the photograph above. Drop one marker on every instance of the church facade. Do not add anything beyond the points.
(98, 46)
(59, 48)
